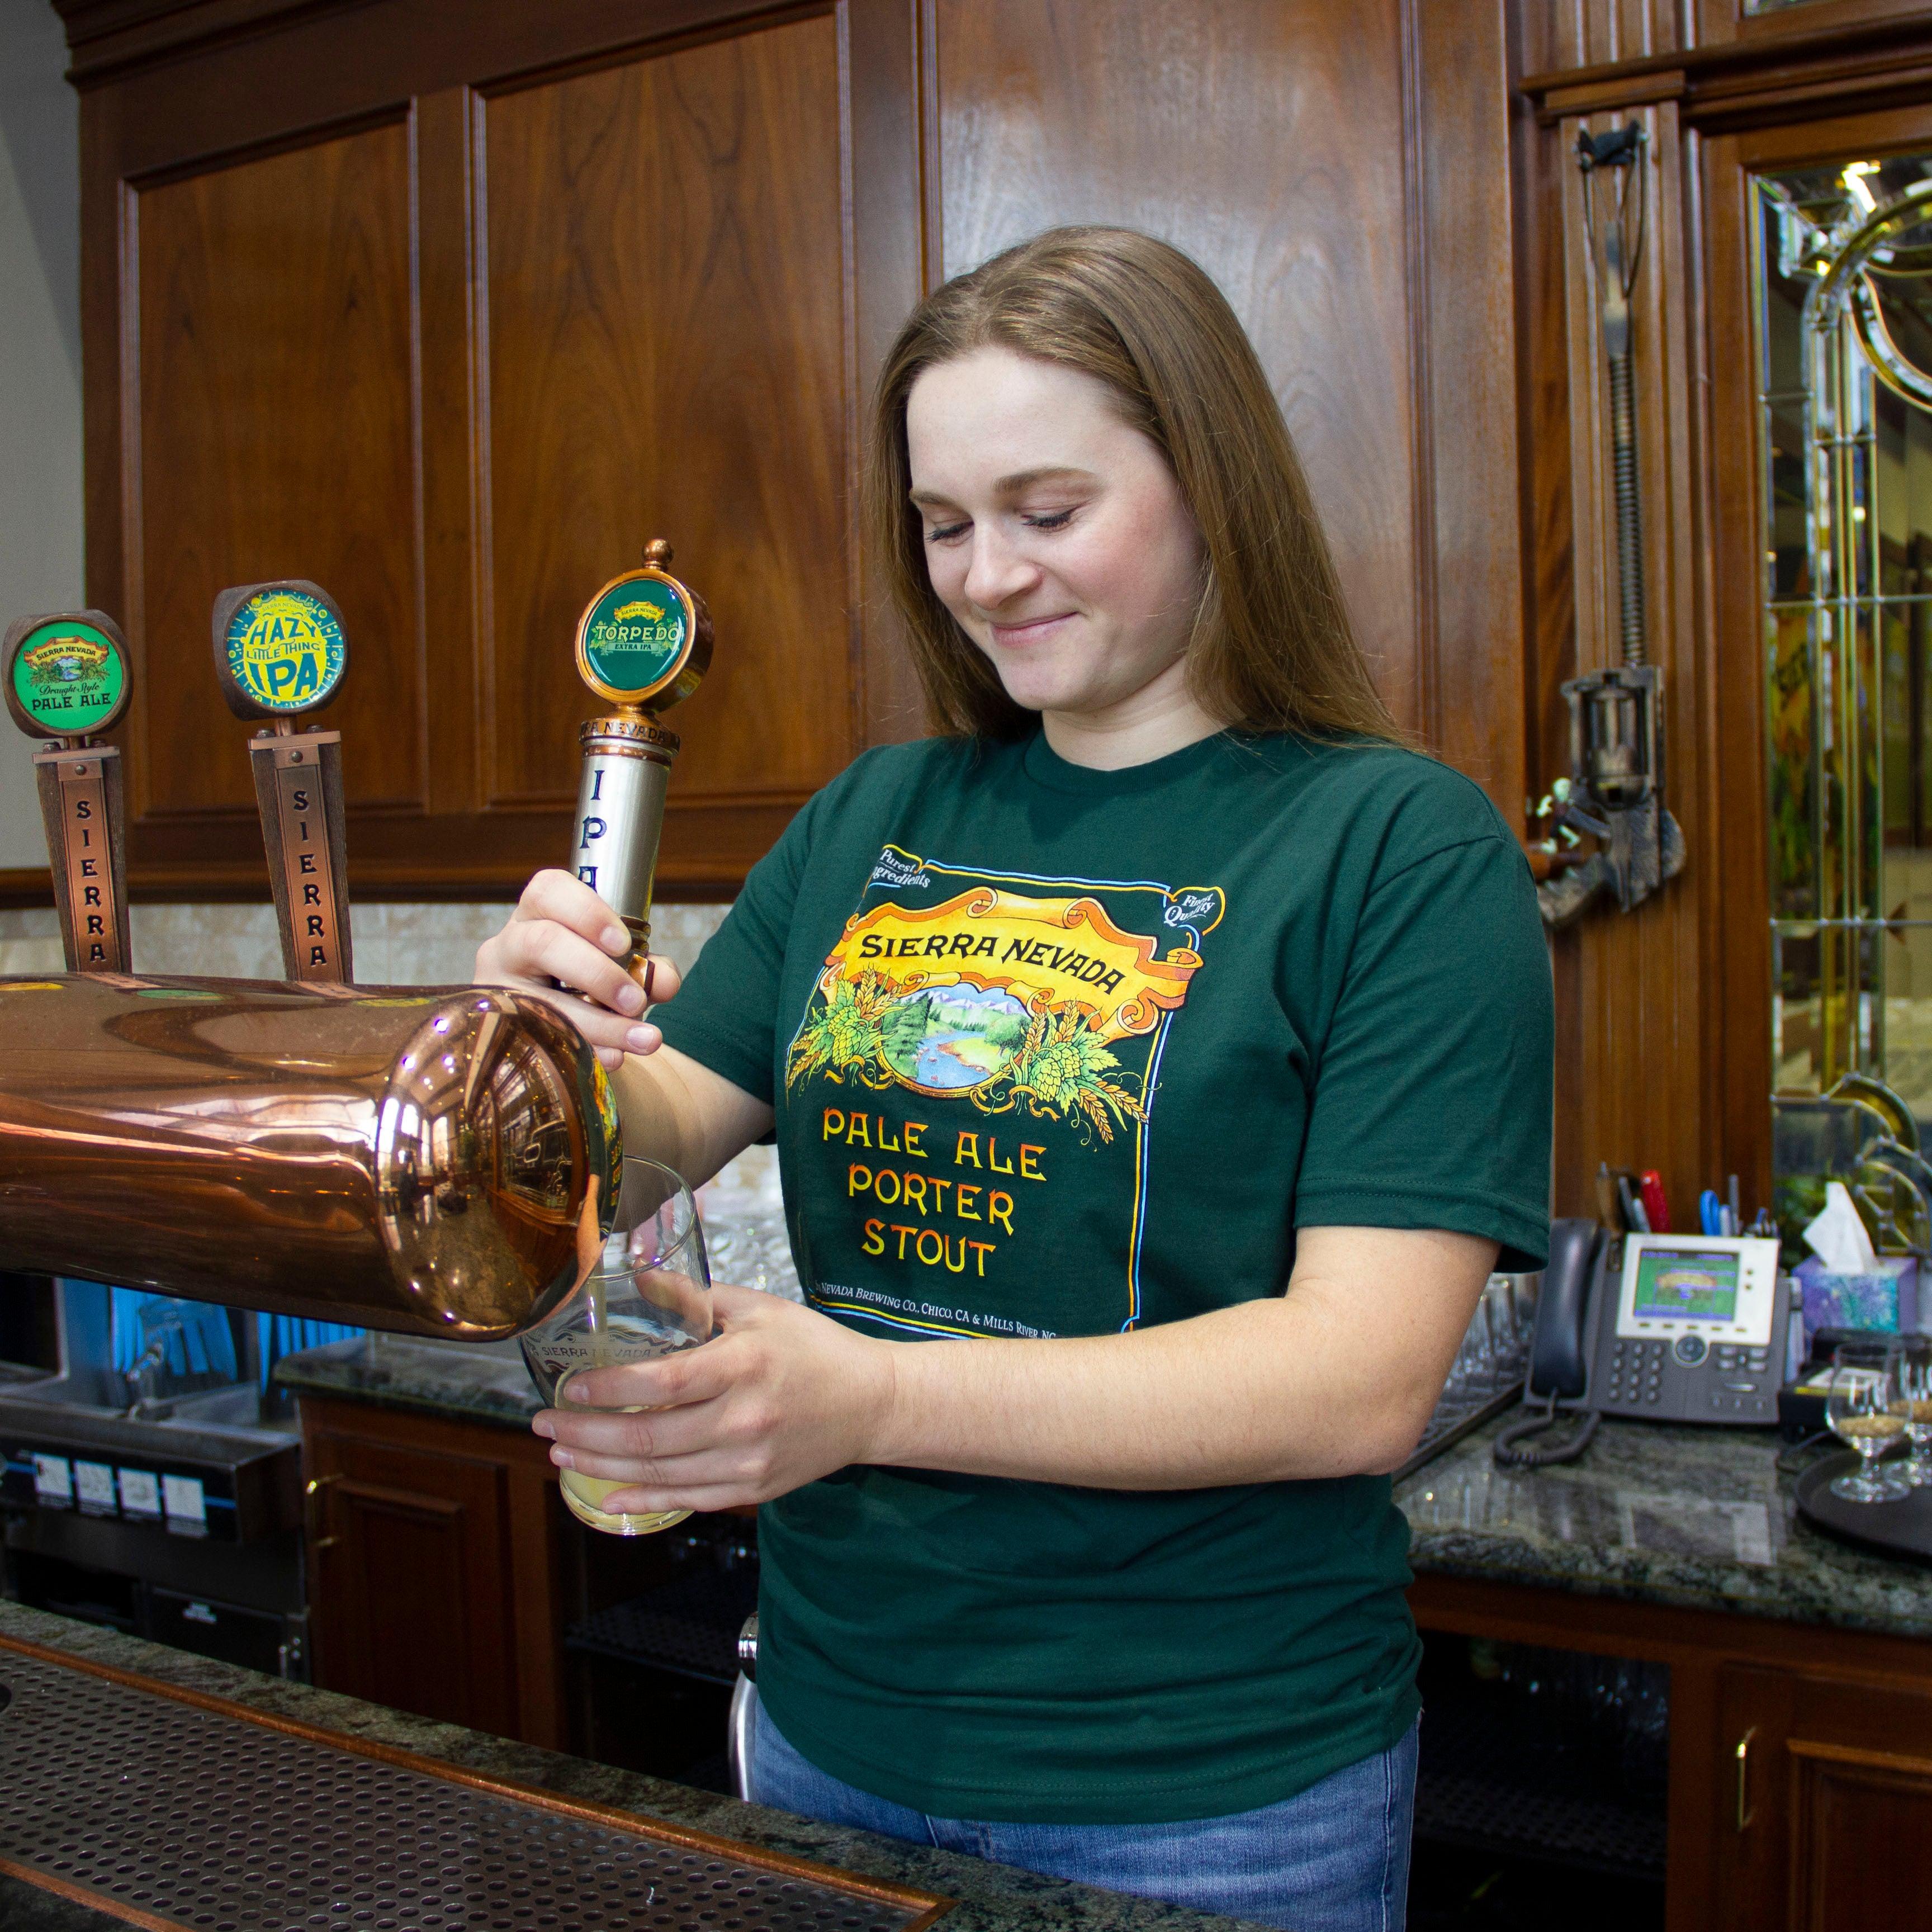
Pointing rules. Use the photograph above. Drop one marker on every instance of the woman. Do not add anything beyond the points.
(1165, 1032)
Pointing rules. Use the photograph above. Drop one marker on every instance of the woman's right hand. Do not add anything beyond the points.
(562, 940)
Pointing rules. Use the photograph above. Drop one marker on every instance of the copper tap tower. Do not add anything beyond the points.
(644, 642)
(433, 1161)
(66, 679)
(425, 1160)
(279, 653)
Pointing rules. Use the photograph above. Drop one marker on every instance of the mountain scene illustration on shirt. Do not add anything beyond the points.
(1011, 1027)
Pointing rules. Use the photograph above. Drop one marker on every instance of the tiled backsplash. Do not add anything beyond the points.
(429, 945)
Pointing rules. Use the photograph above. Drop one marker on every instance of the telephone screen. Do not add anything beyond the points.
(1686, 1284)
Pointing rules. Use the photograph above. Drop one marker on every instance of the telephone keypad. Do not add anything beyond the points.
(1687, 1376)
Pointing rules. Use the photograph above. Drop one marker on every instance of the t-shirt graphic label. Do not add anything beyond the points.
(1007, 1020)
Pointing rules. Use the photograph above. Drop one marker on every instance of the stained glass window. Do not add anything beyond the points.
(1847, 587)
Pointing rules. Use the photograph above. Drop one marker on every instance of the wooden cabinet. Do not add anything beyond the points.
(1828, 1822)
(434, 1568)
(1824, 1822)
(451, 307)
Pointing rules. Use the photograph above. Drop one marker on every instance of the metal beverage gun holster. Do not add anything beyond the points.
(1615, 790)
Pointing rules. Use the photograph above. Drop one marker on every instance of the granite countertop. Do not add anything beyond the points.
(1693, 1518)
(469, 1381)
(992, 1898)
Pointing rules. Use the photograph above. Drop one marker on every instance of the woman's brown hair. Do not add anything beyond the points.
(1272, 650)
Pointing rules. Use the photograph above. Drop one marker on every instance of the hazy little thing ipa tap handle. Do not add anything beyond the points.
(644, 642)
(67, 681)
(279, 653)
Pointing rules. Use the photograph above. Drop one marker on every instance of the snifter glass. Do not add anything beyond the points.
(647, 1295)
(1858, 1405)
(1912, 1400)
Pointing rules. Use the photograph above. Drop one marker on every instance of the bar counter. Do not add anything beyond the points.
(1661, 1513)
(1676, 1545)
(990, 1897)
(462, 1382)
(1654, 1512)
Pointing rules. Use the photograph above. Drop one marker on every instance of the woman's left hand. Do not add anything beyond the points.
(780, 1396)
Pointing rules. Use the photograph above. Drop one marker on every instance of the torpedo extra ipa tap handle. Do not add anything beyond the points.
(643, 642)
(66, 681)
(280, 653)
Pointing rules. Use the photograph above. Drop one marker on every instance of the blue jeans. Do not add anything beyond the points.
(1332, 1858)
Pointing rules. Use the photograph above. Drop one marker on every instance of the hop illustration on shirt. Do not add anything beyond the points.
(1063, 1069)
(1051, 1060)
(845, 1035)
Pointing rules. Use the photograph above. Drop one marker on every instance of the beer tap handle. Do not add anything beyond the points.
(67, 681)
(644, 642)
(279, 653)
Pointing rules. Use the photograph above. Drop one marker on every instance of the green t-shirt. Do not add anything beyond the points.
(1059, 1051)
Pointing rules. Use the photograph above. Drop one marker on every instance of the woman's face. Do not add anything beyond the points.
(1054, 533)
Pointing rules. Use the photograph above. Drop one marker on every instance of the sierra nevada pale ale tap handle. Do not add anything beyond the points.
(644, 642)
(67, 681)
(279, 651)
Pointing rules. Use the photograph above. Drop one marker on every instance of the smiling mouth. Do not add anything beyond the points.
(1026, 633)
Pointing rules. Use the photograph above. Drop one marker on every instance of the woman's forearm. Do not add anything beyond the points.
(1335, 1378)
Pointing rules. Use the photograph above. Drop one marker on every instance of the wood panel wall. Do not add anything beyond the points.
(450, 309)
(667, 267)
(1330, 159)
(271, 434)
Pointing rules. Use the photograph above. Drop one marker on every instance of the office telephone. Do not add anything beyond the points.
(1672, 1327)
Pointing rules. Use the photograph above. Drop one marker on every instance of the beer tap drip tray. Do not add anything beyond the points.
(167, 1809)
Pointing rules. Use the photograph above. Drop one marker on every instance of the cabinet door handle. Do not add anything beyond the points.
(312, 1492)
(1745, 1814)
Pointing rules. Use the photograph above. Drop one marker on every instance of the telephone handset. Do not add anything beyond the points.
(1558, 1374)
(1578, 1251)
(1690, 1328)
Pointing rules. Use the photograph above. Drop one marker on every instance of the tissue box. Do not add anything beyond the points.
(1886, 1300)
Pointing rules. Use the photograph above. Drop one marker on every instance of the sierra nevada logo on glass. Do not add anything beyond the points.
(284, 648)
(69, 675)
(1012, 1027)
